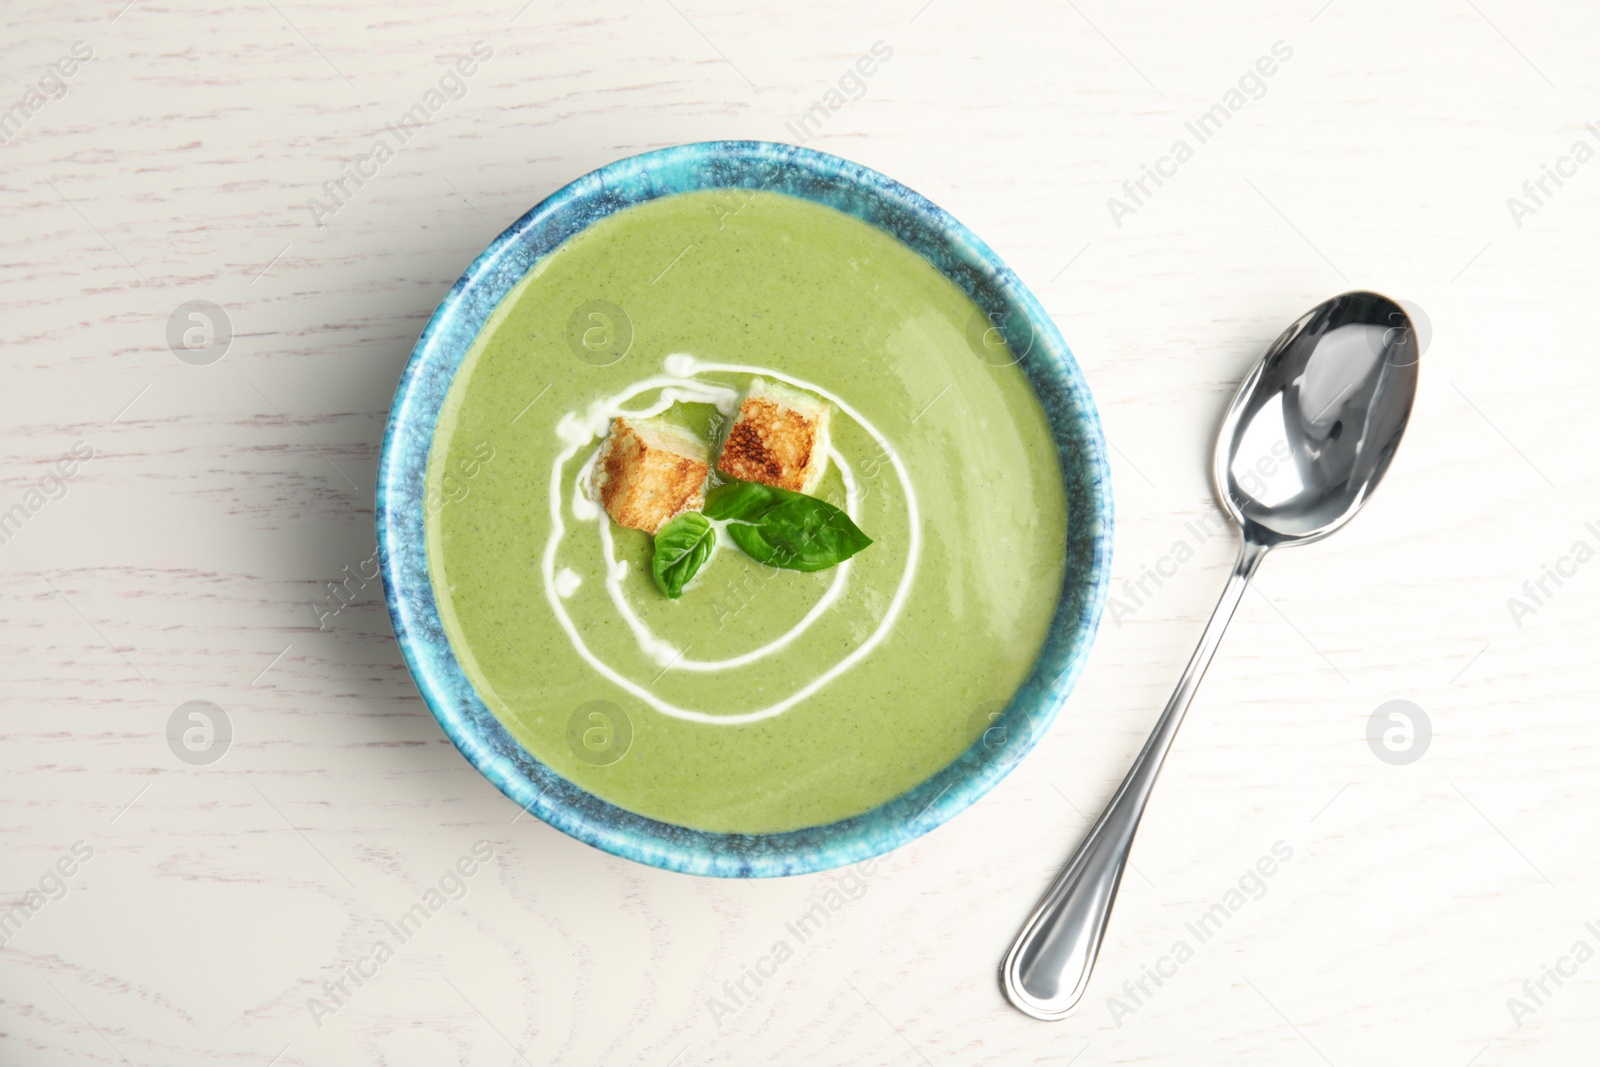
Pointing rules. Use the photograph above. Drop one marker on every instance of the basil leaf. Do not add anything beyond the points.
(789, 530)
(739, 500)
(682, 548)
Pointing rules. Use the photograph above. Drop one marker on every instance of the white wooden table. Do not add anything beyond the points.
(186, 560)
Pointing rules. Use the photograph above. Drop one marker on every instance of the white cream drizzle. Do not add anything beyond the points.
(567, 582)
(678, 385)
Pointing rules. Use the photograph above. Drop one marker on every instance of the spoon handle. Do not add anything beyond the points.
(1047, 970)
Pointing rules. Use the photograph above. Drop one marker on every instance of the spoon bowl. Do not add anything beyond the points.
(1307, 438)
(1314, 426)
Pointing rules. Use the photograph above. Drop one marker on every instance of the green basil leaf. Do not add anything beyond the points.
(740, 500)
(682, 548)
(785, 529)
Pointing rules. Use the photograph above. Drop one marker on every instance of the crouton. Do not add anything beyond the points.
(779, 438)
(649, 471)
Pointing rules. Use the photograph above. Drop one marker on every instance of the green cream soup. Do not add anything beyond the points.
(762, 700)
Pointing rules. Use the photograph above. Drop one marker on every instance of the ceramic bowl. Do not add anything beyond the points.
(952, 249)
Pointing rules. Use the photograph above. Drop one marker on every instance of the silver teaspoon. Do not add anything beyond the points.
(1307, 437)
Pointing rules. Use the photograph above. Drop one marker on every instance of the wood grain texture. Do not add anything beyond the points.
(185, 560)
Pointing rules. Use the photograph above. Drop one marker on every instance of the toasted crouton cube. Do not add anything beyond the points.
(779, 438)
(649, 471)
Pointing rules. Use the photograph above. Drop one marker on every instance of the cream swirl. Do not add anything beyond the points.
(680, 384)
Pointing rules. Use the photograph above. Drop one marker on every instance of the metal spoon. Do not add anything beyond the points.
(1307, 437)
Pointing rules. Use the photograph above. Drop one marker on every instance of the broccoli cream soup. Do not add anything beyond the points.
(753, 697)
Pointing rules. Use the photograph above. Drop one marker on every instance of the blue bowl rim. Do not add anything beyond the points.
(935, 235)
